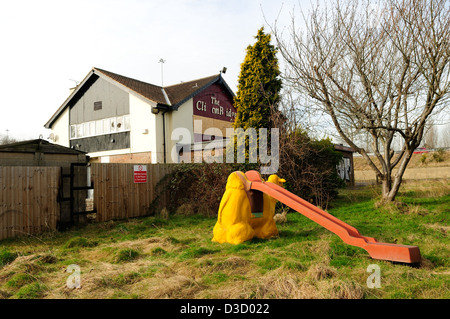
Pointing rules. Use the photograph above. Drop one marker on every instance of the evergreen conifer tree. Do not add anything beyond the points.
(258, 85)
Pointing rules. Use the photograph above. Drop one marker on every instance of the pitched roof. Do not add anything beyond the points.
(172, 96)
(147, 90)
(179, 93)
(38, 145)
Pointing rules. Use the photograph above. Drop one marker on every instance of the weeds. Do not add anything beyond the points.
(19, 280)
(80, 242)
(6, 256)
(126, 255)
(32, 291)
(155, 258)
(439, 155)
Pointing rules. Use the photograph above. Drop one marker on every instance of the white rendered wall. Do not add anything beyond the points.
(179, 119)
(60, 129)
(143, 127)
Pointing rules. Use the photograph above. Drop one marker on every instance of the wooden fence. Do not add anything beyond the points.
(117, 196)
(28, 200)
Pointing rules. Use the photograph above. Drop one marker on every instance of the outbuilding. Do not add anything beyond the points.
(346, 168)
(74, 173)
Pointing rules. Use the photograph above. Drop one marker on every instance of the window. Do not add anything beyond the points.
(85, 129)
(79, 131)
(106, 126)
(73, 131)
(97, 105)
(112, 125)
(100, 127)
(92, 128)
(126, 123)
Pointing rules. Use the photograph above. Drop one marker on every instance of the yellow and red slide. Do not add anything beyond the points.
(349, 234)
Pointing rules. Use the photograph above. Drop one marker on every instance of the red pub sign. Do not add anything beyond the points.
(215, 102)
(140, 173)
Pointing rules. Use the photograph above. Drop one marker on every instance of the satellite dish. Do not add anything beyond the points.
(53, 137)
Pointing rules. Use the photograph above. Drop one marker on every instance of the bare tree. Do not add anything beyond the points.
(431, 137)
(5, 139)
(380, 71)
(445, 137)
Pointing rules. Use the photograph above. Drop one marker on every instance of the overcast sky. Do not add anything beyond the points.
(48, 45)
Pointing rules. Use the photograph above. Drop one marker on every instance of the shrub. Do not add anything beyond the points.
(438, 156)
(309, 167)
(423, 159)
(307, 164)
(198, 187)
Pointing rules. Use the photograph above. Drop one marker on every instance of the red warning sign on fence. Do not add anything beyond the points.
(140, 173)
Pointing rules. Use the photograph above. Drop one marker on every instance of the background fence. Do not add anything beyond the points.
(117, 196)
(28, 200)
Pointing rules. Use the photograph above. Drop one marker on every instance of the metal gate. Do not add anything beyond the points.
(75, 185)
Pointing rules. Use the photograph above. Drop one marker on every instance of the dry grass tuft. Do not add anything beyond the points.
(164, 214)
(321, 249)
(48, 259)
(25, 264)
(289, 285)
(443, 229)
(279, 287)
(232, 262)
(401, 208)
(4, 294)
(321, 271)
(426, 264)
(428, 189)
(344, 290)
(175, 287)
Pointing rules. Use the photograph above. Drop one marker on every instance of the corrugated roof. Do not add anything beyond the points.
(343, 148)
(33, 146)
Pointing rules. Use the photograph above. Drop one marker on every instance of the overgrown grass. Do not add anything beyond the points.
(175, 258)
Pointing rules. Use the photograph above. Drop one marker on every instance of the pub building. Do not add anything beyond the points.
(118, 119)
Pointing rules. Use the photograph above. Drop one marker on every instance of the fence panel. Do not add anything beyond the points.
(28, 200)
(117, 196)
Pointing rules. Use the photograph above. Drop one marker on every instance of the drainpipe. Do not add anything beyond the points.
(164, 109)
(164, 135)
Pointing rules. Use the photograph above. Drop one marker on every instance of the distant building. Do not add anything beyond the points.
(115, 118)
(346, 168)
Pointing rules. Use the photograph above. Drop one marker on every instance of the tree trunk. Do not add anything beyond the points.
(395, 188)
(386, 183)
(391, 182)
